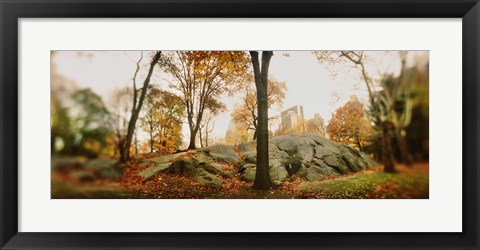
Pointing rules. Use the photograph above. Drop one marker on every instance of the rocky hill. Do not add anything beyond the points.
(311, 157)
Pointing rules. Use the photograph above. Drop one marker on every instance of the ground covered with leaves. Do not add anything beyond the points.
(408, 183)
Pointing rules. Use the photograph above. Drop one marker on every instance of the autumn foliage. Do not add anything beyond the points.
(349, 124)
(245, 114)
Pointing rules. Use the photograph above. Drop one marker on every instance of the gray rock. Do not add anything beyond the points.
(321, 152)
(315, 173)
(245, 148)
(165, 159)
(228, 174)
(243, 167)
(319, 140)
(162, 159)
(223, 153)
(149, 172)
(302, 171)
(278, 174)
(319, 172)
(205, 178)
(202, 158)
(337, 163)
(275, 155)
(214, 168)
(292, 164)
(354, 163)
(369, 161)
(286, 143)
(311, 156)
(250, 157)
(305, 152)
(290, 143)
(184, 166)
(248, 174)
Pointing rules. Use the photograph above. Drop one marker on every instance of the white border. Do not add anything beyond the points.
(441, 213)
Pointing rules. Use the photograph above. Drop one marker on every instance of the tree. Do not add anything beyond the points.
(246, 112)
(90, 121)
(237, 133)
(418, 130)
(61, 131)
(262, 176)
(61, 90)
(202, 77)
(348, 124)
(120, 106)
(378, 113)
(396, 97)
(162, 120)
(137, 103)
(207, 125)
(316, 125)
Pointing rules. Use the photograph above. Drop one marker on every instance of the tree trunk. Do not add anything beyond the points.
(206, 136)
(121, 142)
(193, 136)
(262, 176)
(255, 134)
(201, 138)
(359, 143)
(136, 143)
(125, 153)
(387, 152)
(403, 148)
(151, 142)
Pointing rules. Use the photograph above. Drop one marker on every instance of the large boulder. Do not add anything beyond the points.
(184, 166)
(214, 168)
(311, 157)
(336, 162)
(223, 153)
(149, 172)
(278, 174)
(205, 178)
(248, 174)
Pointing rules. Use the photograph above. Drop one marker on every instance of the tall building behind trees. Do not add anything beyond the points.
(291, 117)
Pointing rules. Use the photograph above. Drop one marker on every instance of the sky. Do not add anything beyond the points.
(318, 87)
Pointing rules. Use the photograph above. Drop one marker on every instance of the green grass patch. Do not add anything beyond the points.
(368, 185)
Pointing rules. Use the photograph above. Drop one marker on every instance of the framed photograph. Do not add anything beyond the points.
(227, 124)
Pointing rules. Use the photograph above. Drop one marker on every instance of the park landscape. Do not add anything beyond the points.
(239, 124)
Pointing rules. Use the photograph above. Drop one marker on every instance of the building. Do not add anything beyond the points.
(291, 117)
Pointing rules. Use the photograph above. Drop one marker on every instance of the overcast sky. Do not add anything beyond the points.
(309, 83)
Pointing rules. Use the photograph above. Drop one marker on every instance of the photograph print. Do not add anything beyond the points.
(239, 124)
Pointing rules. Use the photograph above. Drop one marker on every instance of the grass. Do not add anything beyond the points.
(369, 185)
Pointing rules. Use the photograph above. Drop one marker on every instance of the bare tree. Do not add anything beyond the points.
(379, 112)
(206, 128)
(137, 104)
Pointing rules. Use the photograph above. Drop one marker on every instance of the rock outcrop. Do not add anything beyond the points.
(86, 170)
(311, 157)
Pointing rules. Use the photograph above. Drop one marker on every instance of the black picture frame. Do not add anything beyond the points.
(11, 11)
